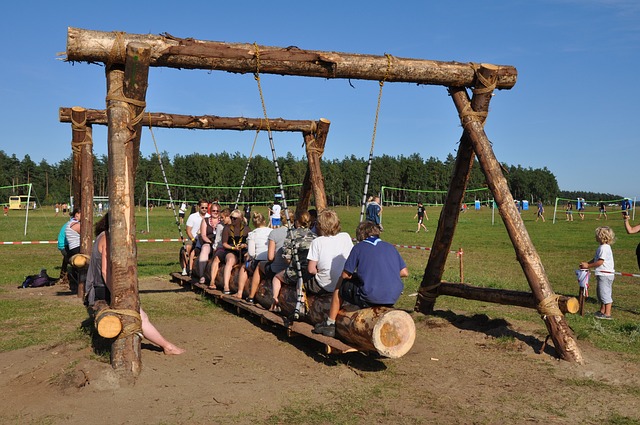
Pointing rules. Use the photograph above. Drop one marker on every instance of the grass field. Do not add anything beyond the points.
(489, 261)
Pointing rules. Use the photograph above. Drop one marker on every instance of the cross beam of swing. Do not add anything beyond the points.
(187, 53)
(314, 134)
(168, 51)
(201, 122)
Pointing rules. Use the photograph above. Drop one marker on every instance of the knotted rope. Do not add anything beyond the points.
(549, 306)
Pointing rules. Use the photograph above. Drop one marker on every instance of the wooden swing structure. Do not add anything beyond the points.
(127, 58)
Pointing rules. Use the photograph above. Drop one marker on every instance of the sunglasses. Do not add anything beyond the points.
(203, 208)
(215, 210)
(234, 218)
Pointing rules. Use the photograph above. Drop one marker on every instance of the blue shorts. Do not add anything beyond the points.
(276, 222)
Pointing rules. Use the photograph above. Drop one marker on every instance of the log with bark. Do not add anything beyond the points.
(386, 331)
(502, 296)
(200, 122)
(107, 322)
(187, 53)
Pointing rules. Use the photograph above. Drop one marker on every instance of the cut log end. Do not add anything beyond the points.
(109, 326)
(394, 334)
(573, 305)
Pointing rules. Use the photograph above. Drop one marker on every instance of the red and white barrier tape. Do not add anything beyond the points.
(52, 242)
(621, 274)
(426, 248)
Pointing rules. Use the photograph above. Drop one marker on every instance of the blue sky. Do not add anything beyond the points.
(572, 110)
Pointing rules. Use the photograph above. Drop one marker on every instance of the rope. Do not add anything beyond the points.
(246, 170)
(373, 138)
(166, 183)
(429, 293)
(549, 306)
(489, 85)
(118, 51)
(116, 93)
(130, 329)
(483, 85)
(300, 295)
(76, 147)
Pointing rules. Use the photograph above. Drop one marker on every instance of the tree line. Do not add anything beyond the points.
(344, 178)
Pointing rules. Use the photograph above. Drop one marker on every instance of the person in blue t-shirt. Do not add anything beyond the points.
(371, 276)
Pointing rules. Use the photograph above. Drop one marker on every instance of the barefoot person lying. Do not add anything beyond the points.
(97, 279)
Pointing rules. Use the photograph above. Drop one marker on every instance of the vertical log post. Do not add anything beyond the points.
(526, 253)
(126, 91)
(427, 293)
(83, 144)
(313, 179)
(76, 141)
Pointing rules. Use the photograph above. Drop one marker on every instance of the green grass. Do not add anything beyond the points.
(488, 260)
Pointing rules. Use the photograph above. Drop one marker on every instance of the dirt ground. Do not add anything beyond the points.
(237, 371)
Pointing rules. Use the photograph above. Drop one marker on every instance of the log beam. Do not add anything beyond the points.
(83, 145)
(503, 296)
(106, 321)
(201, 122)
(526, 253)
(126, 92)
(313, 179)
(173, 52)
(387, 331)
(451, 209)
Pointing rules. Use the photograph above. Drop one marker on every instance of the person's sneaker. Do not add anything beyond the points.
(325, 329)
(184, 271)
(602, 316)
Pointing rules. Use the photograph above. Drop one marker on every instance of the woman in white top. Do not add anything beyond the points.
(257, 245)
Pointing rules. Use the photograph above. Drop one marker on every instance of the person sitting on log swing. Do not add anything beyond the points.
(234, 240)
(97, 286)
(298, 239)
(371, 276)
(217, 247)
(208, 228)
(193, 231)
(257, 250)
(275, 261)
(327, 254)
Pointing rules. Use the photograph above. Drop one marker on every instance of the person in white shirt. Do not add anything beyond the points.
(193, 230)
(604, 267)
(327, 254)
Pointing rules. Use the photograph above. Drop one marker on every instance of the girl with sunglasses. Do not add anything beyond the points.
(234, 241)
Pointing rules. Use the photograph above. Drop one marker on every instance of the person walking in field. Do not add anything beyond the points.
(374, 211)
(569, 211)
(604, 267)
(421, 214)
(540, 214)
(580, 208)
(603, 211)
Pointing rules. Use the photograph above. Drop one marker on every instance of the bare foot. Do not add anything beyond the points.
(173, 350)
(238, 296)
